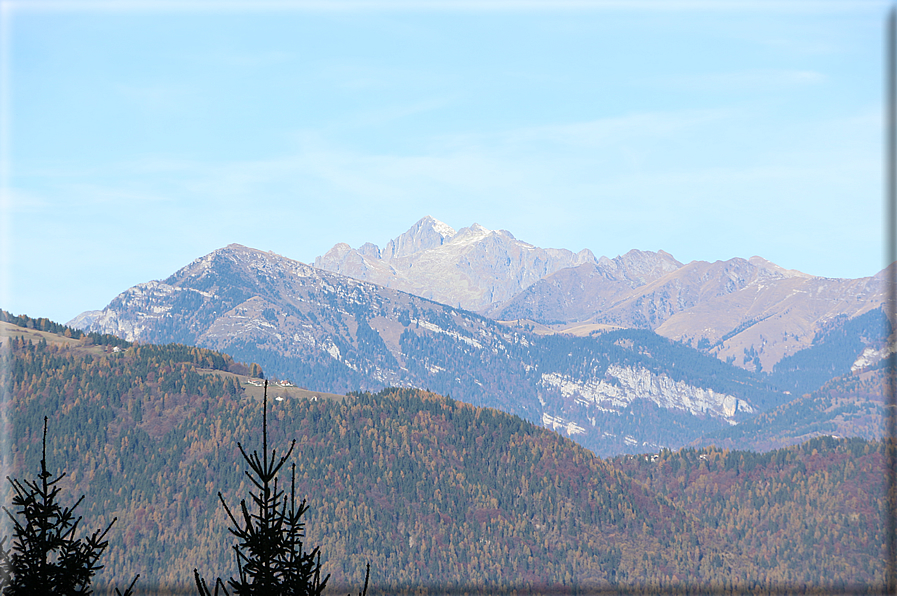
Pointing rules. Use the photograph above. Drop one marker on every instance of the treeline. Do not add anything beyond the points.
(44, 324)
(428, 490)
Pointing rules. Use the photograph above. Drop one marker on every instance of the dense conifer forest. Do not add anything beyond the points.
(432, 492)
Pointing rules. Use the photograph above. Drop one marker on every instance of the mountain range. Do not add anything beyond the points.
(472, 268)
(614, 390)
(750, 312)
(337, 334)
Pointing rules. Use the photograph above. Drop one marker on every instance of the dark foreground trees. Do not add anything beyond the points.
(45, 557)
(271, 559)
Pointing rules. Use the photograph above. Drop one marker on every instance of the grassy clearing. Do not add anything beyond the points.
(574, 329)
(274, 391)
(9, 331)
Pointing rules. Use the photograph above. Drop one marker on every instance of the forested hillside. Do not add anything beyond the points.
(800, 513)
(430, 491)
(852, 405)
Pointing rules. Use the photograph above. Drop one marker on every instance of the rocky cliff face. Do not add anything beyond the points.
(425, 234)
(472, 268)
(619, 386)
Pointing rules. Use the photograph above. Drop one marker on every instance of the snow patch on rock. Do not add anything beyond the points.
(870, 356)
(555, 423)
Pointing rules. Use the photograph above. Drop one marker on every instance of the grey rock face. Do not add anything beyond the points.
(425, 234)
(472, 268)
(84, 320)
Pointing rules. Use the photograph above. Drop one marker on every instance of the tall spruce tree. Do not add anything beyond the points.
(45, 557)
(271, 558)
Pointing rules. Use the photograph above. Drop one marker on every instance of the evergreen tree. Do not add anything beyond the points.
(270, 557)
(45, 557)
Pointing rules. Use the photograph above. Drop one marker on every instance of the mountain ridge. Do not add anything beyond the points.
(751, 312)
(345, 333)
(342, 334)
(472, 268)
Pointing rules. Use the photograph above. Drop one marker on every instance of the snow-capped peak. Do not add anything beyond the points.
(443, 229)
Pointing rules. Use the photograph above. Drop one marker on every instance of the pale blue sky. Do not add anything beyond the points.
(139, 136)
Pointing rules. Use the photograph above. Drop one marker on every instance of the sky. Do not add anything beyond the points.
(138, 136)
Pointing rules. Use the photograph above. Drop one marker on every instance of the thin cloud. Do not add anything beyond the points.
(396, 112)
(586, 135)
(93, 195)
(741, 81)
(18, 201)
(243, 59)
(158, 96)
(365, 75)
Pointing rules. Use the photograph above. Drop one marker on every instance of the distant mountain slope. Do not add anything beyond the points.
(849, 406)
(840, 346)
(437, 495)
(336, 334)
(472, 268)
(775, 314)
(577, 293)
(751, 312)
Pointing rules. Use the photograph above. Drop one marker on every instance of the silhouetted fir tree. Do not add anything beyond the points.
(270, 555)
(45, 557)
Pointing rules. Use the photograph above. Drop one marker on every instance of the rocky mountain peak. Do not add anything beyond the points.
(235, 251)
(769, 266)
(473, 268)
(428, 232)
(638, 266)
(338, 251)
(442, 228)
(471, 234)
(235, 261)
(369, 249)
